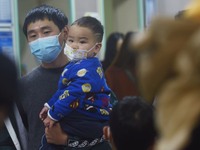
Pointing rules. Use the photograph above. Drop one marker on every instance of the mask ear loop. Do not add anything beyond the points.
(63, 43)
(59, 34)
(92, 47)
(94, 53)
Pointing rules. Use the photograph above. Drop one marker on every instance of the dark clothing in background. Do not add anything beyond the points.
(122, 82)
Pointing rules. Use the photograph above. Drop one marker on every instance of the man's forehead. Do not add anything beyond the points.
(41, 24)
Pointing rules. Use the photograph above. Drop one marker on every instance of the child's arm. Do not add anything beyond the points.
(67, 102)
(47, 106)
(56, 95)
(53, 99)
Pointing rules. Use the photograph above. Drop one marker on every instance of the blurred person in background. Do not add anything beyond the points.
(131, 125)
(113, 45)
(120, 75)
(9, 131)
(168, 67)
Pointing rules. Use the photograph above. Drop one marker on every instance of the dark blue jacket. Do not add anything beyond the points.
(82, 88)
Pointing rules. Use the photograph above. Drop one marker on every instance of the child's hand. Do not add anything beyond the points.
(48, 122)
(43, 113)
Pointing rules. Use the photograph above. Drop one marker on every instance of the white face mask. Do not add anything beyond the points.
(76, 54)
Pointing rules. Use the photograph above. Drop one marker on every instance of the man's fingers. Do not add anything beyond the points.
(48, 137)
(49, 140)
(46, 130)
(46, 124)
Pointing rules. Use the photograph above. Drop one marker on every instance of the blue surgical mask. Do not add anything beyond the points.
(46, 49)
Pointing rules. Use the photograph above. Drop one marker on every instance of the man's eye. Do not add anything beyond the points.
(32, 36)
(46, 32)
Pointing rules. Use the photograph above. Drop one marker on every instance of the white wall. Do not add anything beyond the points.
(125, 15)
(171, 7)
(61, 4)
(27, 58)
(87, 6)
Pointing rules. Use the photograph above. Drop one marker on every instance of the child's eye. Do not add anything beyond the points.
(70, 40)
(83, 42)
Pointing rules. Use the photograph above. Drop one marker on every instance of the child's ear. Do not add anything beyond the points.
(97, 47)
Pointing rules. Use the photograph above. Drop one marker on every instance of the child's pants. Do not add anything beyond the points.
(99, 144)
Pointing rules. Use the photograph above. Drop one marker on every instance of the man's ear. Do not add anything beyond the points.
(106, 132)
(66, 31)
(108, 136)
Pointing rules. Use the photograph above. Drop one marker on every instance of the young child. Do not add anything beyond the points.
(81, 103)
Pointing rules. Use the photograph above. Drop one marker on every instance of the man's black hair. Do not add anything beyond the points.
(91, 23)
(132, 124)
(45, 12)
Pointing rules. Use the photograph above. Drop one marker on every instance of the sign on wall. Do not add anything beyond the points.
(6, 43)
(5, 11)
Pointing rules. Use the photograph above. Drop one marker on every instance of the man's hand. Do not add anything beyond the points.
(43, 113)
(48, 122)
(55, 135)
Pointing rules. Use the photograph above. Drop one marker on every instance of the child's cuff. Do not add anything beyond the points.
(51, 116)
(47, 105)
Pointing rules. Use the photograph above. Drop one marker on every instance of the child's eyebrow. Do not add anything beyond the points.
(80, 38)
(83, 38)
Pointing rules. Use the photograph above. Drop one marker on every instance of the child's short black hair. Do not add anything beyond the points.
(8, 81)
(132, 124)
(45, 11)
(91, 23)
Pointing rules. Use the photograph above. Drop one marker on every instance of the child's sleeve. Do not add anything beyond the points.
(54, 98)
(56, 95)
(77, 83)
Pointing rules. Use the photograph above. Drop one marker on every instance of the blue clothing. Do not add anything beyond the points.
(82, 87)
